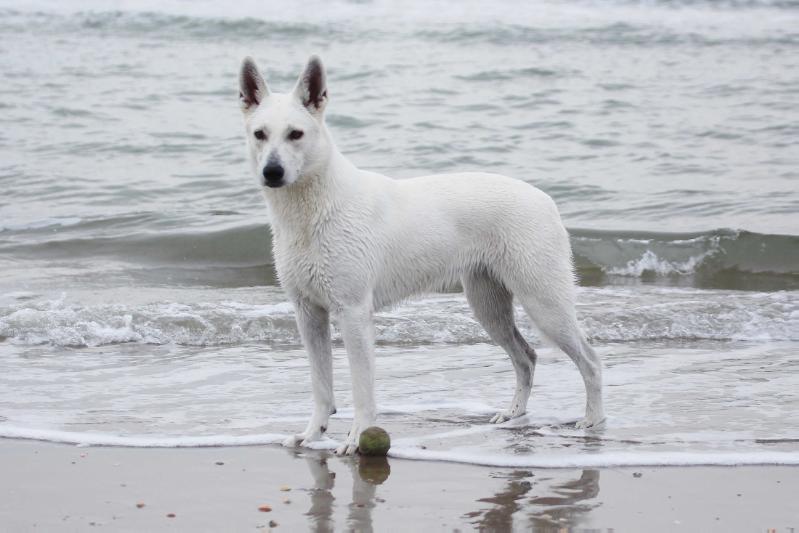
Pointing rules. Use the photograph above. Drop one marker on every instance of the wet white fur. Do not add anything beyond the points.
(348, 242)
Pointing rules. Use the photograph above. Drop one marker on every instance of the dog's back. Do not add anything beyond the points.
(436, 228)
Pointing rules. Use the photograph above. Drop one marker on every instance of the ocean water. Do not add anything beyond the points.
(138, 301)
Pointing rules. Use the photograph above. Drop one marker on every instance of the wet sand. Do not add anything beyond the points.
(53, 487)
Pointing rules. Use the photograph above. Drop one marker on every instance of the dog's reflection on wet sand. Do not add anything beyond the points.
(538, 500)
(547, 499)
(366, 474)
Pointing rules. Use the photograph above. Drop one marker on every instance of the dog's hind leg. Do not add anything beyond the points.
(493, 307)
(314, 325)
(553, 312)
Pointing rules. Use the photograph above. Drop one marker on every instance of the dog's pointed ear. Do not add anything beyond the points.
(252, 87)
(311, 89)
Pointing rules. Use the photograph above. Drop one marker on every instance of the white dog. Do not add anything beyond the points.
(348, 242)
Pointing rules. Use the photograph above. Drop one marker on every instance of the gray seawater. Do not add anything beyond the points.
(138, 302)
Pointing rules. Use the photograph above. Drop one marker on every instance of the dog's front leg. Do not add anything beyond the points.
(314, 325)
(357, 330)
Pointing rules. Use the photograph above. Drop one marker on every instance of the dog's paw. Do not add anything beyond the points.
(301, 439)
(294, 440)
(305, 438)
(500, 417)
(504, 416)
(350, 445)
(306, 442)
(348, 448)
(590, 422)
(313, 431)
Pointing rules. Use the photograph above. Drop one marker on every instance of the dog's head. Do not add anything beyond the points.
(285, 132)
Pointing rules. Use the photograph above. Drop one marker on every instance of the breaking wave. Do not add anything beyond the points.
(721, 259)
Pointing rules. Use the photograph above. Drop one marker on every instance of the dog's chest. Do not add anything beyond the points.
(303, 262)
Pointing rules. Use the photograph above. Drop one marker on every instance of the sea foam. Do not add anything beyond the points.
(464, 456)
(654, 314)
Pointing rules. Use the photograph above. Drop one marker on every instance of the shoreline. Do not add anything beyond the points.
(638, 459)
(66, 487)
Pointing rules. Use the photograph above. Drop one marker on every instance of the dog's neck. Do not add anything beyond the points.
(315, 192)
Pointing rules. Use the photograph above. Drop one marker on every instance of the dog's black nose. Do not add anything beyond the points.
(273, 175)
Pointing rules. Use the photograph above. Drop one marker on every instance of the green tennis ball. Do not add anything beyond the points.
(374, 441)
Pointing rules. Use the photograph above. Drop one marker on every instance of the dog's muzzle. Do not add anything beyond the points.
(273, 175)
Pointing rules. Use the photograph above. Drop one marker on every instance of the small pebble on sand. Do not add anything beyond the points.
(637, 474)
(264, 508)
(286, 500)
(140, 505)
(272, 523)
(219, 463)
(285, 488)
(170, 515)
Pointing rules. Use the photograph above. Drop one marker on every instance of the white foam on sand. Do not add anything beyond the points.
(598, 460)
(138, 441)
(414, 452)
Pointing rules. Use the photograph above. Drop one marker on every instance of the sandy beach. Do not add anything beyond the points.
(53, 487)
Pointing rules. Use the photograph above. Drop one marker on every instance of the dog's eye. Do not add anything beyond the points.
(260, 135)
(296, 134)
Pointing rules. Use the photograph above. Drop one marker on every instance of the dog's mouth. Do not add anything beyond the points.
(274, 184)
